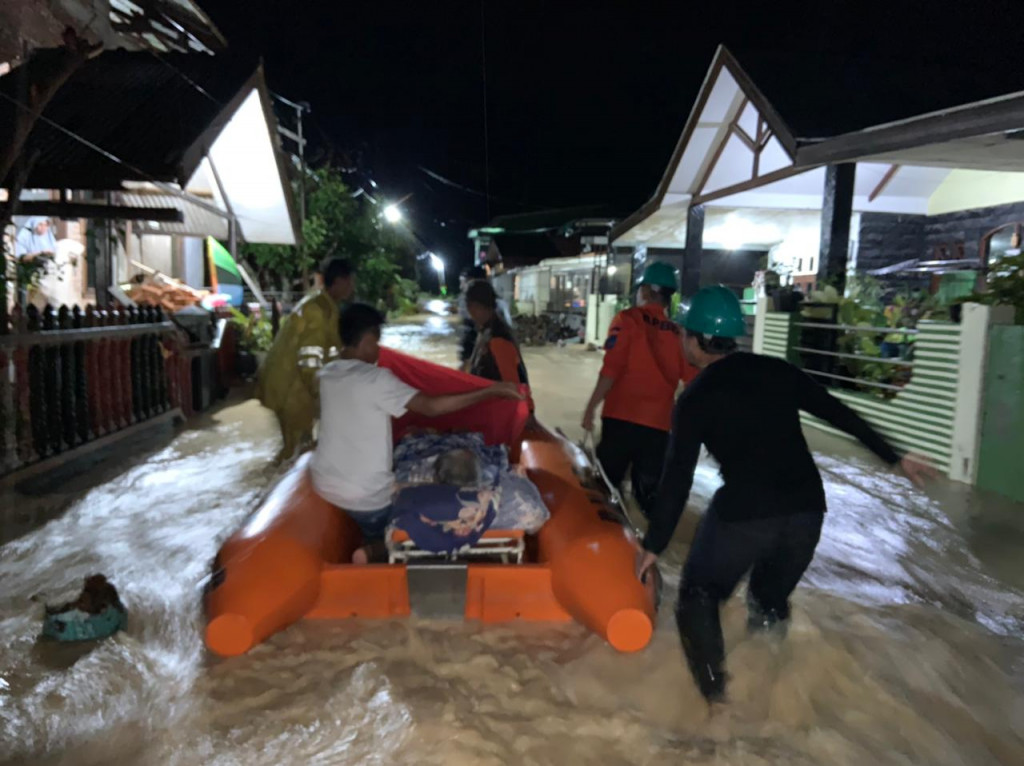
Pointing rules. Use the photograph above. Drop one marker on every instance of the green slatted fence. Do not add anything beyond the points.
(937, 413)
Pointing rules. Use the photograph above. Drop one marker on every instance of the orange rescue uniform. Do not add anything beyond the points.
(644, 357)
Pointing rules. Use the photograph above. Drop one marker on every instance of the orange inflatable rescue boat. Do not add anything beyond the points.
(289, 560)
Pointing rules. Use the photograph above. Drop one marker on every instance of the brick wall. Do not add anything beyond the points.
(887, 238)
(969, 226)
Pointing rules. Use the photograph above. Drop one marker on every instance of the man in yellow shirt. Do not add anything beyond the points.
(307, 341)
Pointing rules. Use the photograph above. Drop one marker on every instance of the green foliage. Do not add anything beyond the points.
(1005, 286)
(865, 290)
(254, 333)
(340, 225)
(405, 297)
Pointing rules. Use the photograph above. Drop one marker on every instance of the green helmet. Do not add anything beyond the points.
(714, 311)
(659, 275)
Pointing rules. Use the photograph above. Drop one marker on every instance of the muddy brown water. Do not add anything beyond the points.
(906, 646)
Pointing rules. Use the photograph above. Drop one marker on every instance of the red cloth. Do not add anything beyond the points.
(501, 421)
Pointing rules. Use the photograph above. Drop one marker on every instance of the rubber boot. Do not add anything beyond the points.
(700, 630)
(762, 619)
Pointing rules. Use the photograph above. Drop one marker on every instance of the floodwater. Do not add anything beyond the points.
(906, 646)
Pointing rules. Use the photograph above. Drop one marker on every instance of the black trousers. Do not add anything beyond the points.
(776, 551)
(624, 445)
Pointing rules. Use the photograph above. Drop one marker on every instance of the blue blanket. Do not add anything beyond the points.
(519, 504)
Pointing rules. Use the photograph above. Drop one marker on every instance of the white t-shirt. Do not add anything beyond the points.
(351, 467)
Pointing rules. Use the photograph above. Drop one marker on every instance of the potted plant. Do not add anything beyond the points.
(1005, 286)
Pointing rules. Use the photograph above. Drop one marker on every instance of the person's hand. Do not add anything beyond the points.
(506, 391)
(644, 564)
(917, 470)
(588, 419)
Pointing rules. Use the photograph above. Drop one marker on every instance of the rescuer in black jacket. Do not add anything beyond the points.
(767, 516)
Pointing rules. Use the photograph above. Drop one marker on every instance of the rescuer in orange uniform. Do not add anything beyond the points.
(643, 366)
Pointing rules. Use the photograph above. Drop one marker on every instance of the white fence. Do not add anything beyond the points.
(937, 413)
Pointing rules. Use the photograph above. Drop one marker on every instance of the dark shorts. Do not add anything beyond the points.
(373, 524)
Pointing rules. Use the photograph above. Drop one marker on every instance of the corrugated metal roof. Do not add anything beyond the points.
(145, 110)
(199, 222)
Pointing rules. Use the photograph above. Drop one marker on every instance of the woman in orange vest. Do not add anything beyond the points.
(643, 366)
(495, 354)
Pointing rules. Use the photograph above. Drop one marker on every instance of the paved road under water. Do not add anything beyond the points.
(906, 645)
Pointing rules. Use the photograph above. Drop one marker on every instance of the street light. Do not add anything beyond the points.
(392, 214)
(438, 265)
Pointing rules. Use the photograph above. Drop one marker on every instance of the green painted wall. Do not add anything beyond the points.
(1001, 462)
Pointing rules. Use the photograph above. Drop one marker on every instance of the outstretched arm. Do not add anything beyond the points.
(676, 476)
(433, 406)
(816, 400)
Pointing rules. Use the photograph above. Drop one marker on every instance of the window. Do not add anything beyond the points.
(1000, 243)
(799, 265)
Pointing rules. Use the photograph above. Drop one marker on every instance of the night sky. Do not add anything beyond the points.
(585, 101)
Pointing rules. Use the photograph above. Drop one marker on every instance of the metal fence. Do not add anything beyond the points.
(69, 377)
(918, 400)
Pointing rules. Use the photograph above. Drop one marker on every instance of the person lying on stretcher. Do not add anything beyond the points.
(453, 488)
(352, 464)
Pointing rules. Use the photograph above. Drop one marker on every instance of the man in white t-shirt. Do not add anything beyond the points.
(352, 465)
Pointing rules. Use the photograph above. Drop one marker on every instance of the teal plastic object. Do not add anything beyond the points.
(76, 625)
(714, 311)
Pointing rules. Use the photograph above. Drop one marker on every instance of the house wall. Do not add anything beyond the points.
(969, 226)
(969, 189)
(887, 238)
(157, 252)
(192, 262)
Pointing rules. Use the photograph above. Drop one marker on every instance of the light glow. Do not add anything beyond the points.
(392, 214)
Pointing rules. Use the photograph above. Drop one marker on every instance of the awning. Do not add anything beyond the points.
(199, 221)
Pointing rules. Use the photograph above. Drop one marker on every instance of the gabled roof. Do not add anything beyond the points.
(730, 113)
(765, 144)
(130, 118)
(147, 111)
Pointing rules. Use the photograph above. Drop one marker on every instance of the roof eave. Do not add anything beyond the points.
(997, 115)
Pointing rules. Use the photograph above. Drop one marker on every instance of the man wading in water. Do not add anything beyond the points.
(766, 518)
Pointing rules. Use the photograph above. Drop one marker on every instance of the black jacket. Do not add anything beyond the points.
(745, 409)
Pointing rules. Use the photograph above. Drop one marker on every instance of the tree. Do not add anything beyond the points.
(339, 225)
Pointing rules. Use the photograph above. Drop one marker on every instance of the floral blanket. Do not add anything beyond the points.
(519, 504)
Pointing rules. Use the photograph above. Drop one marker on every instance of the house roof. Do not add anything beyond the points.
(761, 130)
(827, 94)
(160, 25)
(142, 112)
(545, 220)
(525, 249)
